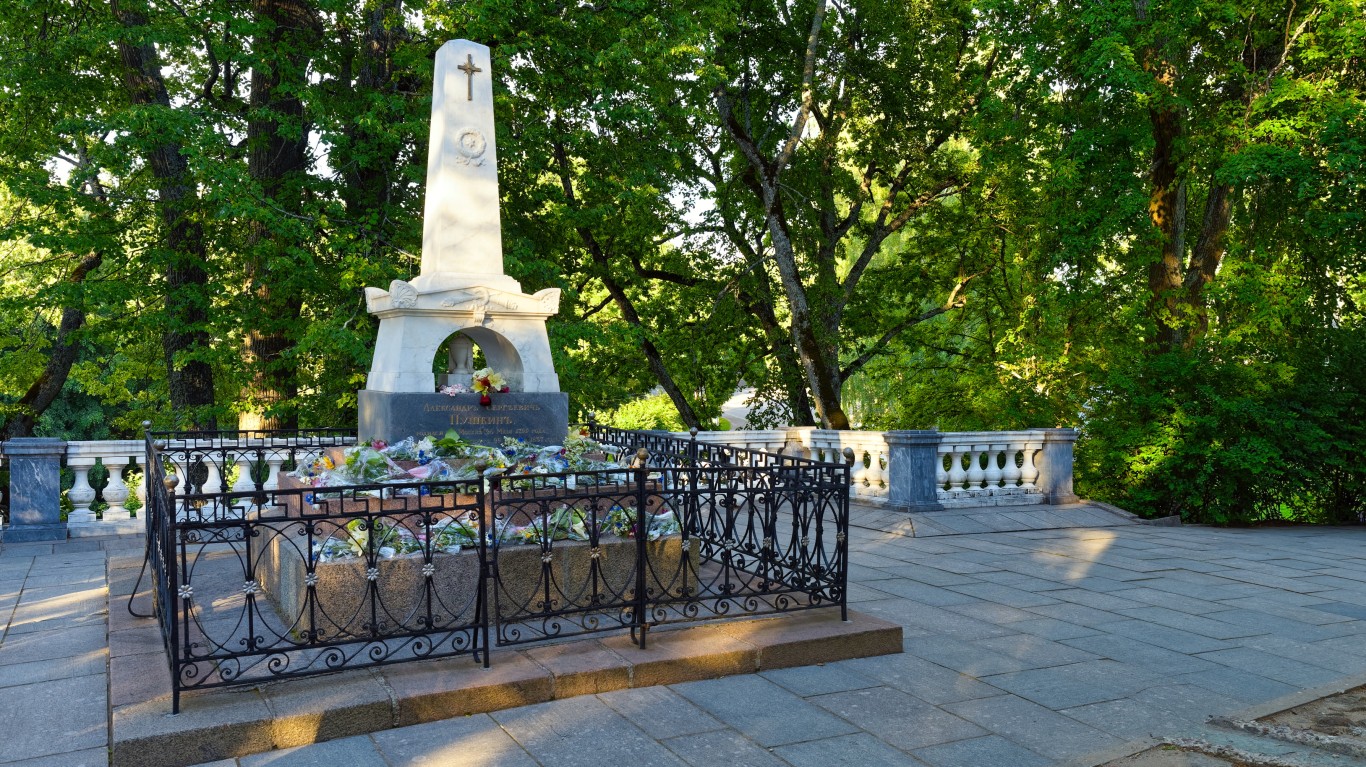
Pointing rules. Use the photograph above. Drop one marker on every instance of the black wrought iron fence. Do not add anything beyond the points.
(285, 580)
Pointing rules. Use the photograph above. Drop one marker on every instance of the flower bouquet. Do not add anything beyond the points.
(486, 382)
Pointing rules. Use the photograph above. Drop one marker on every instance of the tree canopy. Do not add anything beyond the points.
(1146, 219)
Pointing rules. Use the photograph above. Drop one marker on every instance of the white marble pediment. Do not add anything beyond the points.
(479, 300)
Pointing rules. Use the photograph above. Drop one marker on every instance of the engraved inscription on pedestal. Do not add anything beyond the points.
(541, 418)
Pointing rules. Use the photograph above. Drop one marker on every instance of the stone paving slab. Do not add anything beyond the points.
(976, 520)
(1287, 602)
(283, 715)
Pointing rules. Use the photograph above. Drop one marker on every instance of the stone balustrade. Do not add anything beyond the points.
(988, 468)
(911, 470)
(115, 456)
(868, 476)
(938, 470)
(237, 465)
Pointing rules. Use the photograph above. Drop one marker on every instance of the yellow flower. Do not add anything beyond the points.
(486, 380)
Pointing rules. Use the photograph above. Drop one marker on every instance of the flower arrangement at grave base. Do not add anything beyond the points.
(449, 536)
(353, 540)
(621, 521)
(451, 459)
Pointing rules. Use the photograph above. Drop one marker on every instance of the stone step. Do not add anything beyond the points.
(233, 722)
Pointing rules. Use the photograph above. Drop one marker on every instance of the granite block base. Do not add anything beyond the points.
(341, 588)
(540, 418)
(28, 533)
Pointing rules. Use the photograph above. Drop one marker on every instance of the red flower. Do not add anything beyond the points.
(485, 399)
(505, 389)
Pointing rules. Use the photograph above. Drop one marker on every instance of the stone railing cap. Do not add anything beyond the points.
(109, 447)
(34, 446)
(914, 437)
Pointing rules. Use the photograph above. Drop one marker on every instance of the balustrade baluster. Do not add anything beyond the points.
(81, 493)
(273, 463)
(1029, 472)
(1010, 476)
(993, 471)
(213, 479)
(879, 469)
(975, 472)
(116, 492)
(859, 480)
(941, 475)
(957, 474)
(244, 483)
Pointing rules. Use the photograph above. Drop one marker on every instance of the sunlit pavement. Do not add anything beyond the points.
(1021, 648)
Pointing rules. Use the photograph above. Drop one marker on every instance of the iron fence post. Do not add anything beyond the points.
(638, 621)
(482, 611)
(842, 542)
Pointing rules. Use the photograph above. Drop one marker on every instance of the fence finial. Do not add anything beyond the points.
(642, 458)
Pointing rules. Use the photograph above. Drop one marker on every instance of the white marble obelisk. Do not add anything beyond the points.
(462, 240)
(462, 287)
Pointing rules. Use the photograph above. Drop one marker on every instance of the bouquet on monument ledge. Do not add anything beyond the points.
(486, 382)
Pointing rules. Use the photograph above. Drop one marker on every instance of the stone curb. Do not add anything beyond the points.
(1274, 706)
(1293, 699)
(229, 723)
(106, 529)
(1103, 756)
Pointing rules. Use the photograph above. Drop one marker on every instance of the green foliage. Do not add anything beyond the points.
(1223, 439)
(986, 167)
(653, 411)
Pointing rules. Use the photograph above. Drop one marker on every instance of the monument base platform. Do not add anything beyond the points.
(541, 418)
(226, 723)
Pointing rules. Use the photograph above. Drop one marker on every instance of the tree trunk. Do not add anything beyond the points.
(789, 366)
(1167, 213)
(190, 379)
(277, 140)
(48, 386)
(1207, 255)
(653, 358)
(370, 164)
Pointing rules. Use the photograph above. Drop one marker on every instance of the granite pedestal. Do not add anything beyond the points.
(1055, 470)
(911, 463)
(35, 490)
(540, 418)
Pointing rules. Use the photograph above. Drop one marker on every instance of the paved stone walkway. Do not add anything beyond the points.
(1022, 648)
(54, 652)
(988, 519)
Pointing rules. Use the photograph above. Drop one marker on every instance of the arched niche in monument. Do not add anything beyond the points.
(456, 356)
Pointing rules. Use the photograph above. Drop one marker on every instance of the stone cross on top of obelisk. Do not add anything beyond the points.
(461, 239)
